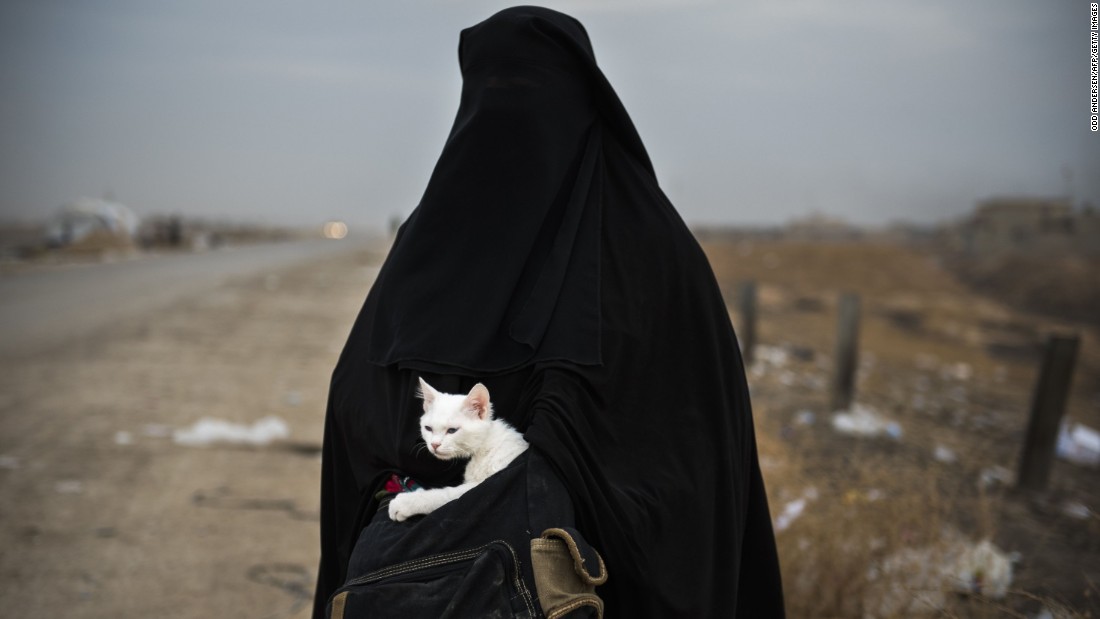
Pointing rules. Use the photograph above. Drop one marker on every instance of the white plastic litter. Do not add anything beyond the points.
(944, 454)
(124, 438)
(982, 569)
(804, 418)
(915, 581)
(775, 356)
(995, 476)
(1076, 510)
(791, 512)
(1079, 444)
(865, 421)
(793, 509)
(208, 431)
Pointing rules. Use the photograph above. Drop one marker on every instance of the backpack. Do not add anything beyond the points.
(507, 548)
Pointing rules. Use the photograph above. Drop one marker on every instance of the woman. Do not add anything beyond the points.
(545, 261)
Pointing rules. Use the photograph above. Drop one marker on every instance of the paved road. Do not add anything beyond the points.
(42, 308)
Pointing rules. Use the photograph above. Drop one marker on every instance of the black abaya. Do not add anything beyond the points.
(545, 261)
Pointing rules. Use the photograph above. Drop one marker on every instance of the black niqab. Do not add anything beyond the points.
(545, 261)
(515, 200)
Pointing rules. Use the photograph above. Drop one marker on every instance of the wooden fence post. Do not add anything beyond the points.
(847, 349)
(746, 300)
(1047, 407)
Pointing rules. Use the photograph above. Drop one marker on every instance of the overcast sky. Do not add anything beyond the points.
(754, 112)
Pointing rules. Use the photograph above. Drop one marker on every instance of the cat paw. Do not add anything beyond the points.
(398, 509)
(405, 506)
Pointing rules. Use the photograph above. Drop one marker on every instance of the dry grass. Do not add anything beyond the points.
(882, 517)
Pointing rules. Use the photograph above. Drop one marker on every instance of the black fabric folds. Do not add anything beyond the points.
(545, 261)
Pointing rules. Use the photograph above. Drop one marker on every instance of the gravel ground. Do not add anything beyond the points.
(103, 514)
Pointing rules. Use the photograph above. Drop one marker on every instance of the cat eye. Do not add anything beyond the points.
(452, 430)
(428, 428)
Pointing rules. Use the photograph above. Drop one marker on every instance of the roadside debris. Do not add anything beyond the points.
(1079, 444)
(804, 418)
(916, 581)
(1076, 510)
(995, 476)
(865, 421)
(793, 509)
(208, 431)
(944, 454)
(982, 569)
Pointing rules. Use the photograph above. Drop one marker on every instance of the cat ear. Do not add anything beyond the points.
(427, 393)
(478, 402)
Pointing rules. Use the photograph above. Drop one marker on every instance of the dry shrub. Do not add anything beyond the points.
(876, 540)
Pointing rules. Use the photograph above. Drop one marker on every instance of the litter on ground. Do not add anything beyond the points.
(1076, 510)
(982, 569)
(916, 581)
(944, 454)
(804, 418)
(208, 431)
(864, 421)
(793, 509)
(995, 476)
(1079, 444)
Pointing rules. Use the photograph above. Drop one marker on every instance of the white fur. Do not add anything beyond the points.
(459, 426)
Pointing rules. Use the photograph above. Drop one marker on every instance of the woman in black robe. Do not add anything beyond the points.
(545, 261)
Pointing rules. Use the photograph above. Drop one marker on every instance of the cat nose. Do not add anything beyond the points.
(436, 446)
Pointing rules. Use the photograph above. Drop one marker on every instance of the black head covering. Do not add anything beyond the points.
(515, 200)
(545, 261)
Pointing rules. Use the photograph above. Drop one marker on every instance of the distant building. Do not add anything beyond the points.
(1024, 224)
(93, 223)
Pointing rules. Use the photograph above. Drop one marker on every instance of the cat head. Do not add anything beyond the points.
(455, 426)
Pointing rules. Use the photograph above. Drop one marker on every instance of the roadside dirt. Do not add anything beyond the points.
(103, 515)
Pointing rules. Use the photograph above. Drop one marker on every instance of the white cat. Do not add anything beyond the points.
(459, 426)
